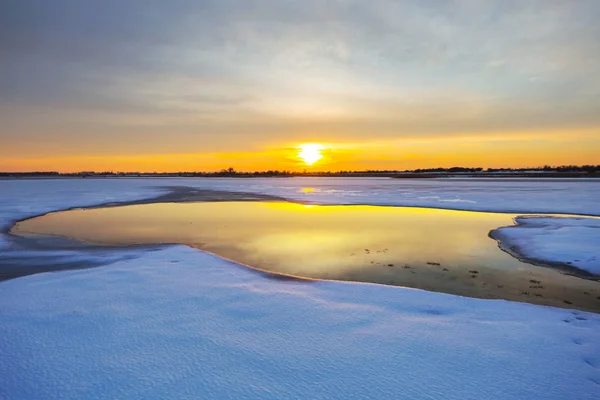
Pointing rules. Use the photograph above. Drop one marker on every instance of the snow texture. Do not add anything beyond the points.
(181, 324)
(178, 323)
(564, 196)
(571, 241)
(20, 199)
(548, 195)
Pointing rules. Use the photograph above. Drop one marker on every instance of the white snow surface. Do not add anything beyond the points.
(181, 324)
(548, 195)
(572, 241)
(178, 323)
(21, 199)
(568, 196)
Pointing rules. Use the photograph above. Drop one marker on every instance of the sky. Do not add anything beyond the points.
(149, 85)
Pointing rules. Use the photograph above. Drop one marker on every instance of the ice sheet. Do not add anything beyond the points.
(570, 196)
(571, 241)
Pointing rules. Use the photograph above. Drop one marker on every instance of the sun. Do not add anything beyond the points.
(310, 153)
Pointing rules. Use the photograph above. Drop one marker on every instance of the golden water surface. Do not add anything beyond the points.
(440, 250)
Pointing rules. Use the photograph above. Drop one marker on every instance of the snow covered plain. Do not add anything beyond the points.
(21, 199)
(180, 324)
(177, 323)
(572, 241)
(565, 196)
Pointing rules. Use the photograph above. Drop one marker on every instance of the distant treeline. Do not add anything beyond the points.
(32, 174)
(546, 170)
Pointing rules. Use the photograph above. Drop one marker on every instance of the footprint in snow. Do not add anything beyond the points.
(592, 362)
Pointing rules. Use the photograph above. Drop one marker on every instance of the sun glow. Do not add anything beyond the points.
(310, 153)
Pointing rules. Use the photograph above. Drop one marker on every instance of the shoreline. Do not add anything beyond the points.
(21, 267)
(506, 244)
(560, 289)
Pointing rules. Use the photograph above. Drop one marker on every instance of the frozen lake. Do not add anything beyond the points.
(434, 249)
(174, 322)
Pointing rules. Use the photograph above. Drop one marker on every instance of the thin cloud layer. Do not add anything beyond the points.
(119, 78)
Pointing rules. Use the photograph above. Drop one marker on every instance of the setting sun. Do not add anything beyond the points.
(310, 153)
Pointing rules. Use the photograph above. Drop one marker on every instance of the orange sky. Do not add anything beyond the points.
(405, 154)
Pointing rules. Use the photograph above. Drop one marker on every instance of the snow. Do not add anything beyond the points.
(178, 323)
(548, 195)
(572, 241)
(21, 199)
(568, 196)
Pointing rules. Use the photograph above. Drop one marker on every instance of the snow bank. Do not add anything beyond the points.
(21, 199)
(24, 198)
(570, 241)
(181, 324)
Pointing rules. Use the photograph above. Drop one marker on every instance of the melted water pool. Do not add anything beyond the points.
(441, 250)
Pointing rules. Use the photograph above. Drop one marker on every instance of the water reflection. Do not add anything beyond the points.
(441, 250)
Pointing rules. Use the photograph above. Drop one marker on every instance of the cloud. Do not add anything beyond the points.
(127, 76)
